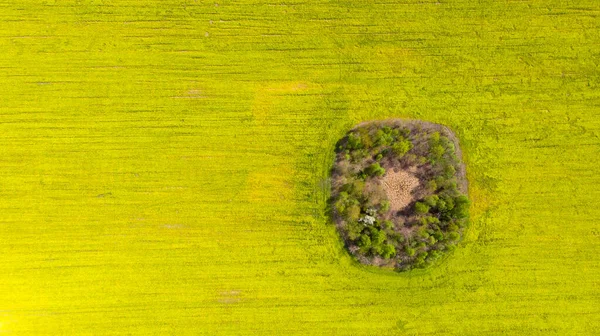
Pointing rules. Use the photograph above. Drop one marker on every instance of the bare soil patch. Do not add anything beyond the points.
(399, 187)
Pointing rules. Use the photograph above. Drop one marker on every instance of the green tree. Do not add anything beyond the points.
(364, 241)
(365, 137)
(461, 207)
(377, 249)
(354, 230)
(354, 188)
(387, 225)
(401, 147)
(352, 213)
(434, 138)
(378, 237)
(384, 206)
(358, 155)
(448, 145)
(438, 235)
(437, 151)
(422, 233)
(431, 200)
(375, 170)
(429, 220)
(449, 171)
(434, 255)
(354, 142)
(420, 260)
(453, 236)
(389, 251)
(383, 137)
(421, 208)
(341, 202)
(448, 202)
(431, 186)
(441, 205)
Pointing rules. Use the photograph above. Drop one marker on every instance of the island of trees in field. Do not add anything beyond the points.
(399, 193)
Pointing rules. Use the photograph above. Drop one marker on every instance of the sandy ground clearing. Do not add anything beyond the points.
(398, 187)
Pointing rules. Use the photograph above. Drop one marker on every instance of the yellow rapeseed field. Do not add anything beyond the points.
(164, 164)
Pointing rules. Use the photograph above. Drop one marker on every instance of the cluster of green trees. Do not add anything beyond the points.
(366, 142)
(365, 148)
(363, 224)
(435, 222)
(440, 217)
(438, 227)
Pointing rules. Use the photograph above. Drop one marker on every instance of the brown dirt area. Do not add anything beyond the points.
(398, 187)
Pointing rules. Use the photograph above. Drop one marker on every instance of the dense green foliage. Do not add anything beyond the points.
(431, 226)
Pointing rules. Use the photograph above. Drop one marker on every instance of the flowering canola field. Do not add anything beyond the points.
(164, 165)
